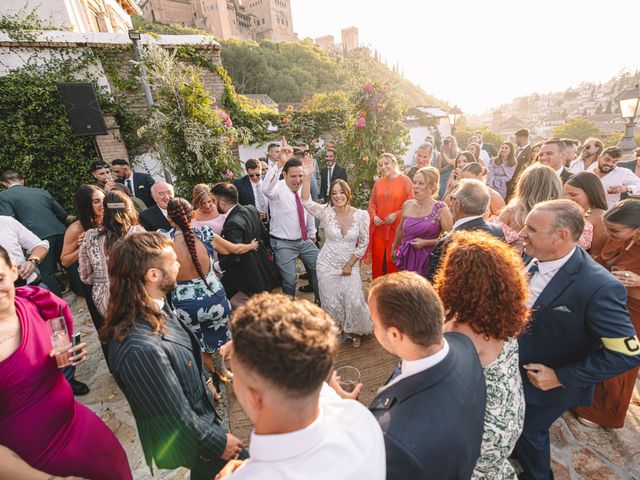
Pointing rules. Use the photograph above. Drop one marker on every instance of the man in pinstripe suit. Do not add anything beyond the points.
(157, 363)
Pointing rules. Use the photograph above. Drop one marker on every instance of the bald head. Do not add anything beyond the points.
(162, 192)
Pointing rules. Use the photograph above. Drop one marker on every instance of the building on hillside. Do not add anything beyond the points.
(325, 43)
(81, 16)
(349, 39)
(242, 19)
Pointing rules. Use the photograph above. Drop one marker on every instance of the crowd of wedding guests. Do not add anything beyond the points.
(507, 282)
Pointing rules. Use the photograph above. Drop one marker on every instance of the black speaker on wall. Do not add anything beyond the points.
(83, 108)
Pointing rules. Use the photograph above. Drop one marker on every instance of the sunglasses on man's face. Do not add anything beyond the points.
(252, 175)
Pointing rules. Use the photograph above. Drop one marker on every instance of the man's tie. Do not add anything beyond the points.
(130, 186)
(303, 224)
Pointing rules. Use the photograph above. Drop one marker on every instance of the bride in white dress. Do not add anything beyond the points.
(346, 232)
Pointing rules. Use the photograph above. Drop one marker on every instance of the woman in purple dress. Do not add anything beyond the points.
(423, 220)
(39, 419)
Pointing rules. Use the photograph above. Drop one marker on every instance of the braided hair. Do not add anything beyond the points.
(180, 211)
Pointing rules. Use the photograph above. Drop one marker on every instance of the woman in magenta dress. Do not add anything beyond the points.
(39, 418)
(423, 220)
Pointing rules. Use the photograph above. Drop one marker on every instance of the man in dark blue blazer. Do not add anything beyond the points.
(469, 202)
(138, 183)
(332, 171)
(432, 411)
(156, 360)
(249, 192)
(580, 332)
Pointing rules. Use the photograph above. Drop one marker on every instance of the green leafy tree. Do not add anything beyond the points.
(189, 136)
(35, 133)
(463, 132)
(578, 128)
(375, 127)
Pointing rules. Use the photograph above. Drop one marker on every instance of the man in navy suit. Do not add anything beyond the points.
(432, 411)
(138, 183)
(331, 172)
(249, 192)
(580, 332)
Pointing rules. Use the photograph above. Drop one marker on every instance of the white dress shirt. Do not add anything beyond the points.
(17, 238)
(344, 442)
(461, 221)
(577, 165)
(285, 223)
(411, 367)
(616, 177)
(484, 158)
(260, 200)
(546, 272)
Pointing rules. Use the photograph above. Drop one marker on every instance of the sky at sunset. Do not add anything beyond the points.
(479, 54)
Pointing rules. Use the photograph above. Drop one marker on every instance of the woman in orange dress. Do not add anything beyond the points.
(620, 255)
(385, 210)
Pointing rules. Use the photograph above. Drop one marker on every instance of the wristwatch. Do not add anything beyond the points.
(35, 261)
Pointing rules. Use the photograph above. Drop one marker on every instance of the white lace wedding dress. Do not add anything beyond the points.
(342, 296)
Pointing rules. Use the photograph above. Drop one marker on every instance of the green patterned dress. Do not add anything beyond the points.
(504, 415)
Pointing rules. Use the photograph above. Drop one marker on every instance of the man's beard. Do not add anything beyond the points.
(167, 284)
(602, 169)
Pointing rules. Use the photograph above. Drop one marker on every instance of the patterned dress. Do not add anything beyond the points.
(341, 295)
(205, 310)
(504, 415)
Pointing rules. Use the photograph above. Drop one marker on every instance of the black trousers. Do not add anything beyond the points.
(48, 264)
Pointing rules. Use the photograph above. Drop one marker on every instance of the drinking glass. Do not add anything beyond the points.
(60, 341)
(348, 377)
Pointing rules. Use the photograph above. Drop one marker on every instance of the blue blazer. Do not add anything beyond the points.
(580, 327)
(162, 378)
(433, 421)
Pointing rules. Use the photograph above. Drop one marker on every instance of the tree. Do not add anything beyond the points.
(463, 132)
(190, 137)
(578, 128)
(375, 127)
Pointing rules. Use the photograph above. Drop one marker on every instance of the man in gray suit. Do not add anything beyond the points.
(157, 363)
(40, 213)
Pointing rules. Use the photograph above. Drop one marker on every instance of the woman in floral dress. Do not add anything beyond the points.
(492, 314)
(199, 298)
(338, 266)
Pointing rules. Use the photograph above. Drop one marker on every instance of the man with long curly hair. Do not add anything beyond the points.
(156, 361)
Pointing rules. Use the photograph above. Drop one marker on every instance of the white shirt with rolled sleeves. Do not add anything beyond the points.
(345, 442)
(616, 177)
(16, 239)
(282, 208)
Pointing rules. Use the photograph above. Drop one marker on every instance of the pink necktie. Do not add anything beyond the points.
(303, 224)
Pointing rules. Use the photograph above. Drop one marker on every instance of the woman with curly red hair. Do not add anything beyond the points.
(484, 291)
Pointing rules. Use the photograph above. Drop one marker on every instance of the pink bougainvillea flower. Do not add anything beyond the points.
(361, 123)
(228, 122)
(289, 107)
(329, 145)
(229, 174)
(368, 88)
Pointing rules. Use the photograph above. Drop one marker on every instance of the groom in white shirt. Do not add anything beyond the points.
(282, 351)
(292, 229)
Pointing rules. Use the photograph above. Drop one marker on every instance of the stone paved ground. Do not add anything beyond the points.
(578, 452)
